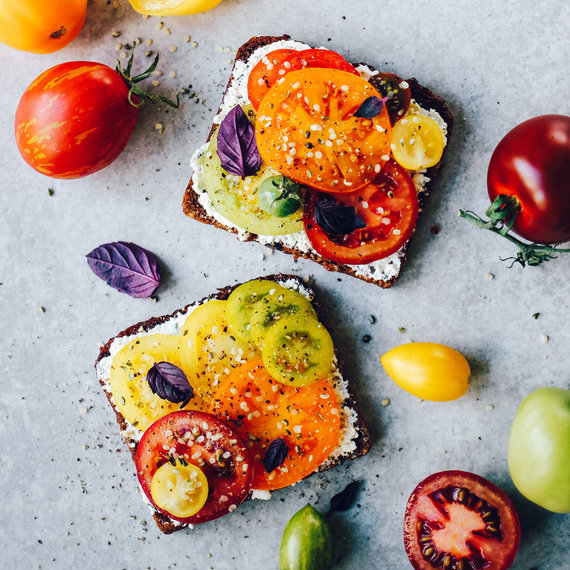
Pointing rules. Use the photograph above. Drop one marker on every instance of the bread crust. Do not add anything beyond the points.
(422, 95)
(363, 442)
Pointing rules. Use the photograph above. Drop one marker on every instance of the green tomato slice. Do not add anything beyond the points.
(236, 199)
(297, 350)
(277, 304)
(242, 302)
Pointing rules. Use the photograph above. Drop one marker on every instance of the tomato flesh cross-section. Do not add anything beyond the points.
(306, 129)
(456, 520)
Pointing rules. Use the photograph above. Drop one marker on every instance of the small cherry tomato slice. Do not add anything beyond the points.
(456, 519)
(388, 205)
(180, 488)
(203, 440)
(262, 410)
(417, 142)
(398, 92)
(306, 130)
(297, 350)
(264, 75)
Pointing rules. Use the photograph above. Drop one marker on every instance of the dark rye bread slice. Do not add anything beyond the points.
(422, 95)
(362, 441)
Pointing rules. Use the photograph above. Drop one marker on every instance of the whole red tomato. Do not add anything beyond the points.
(532, 163)
(74, 119)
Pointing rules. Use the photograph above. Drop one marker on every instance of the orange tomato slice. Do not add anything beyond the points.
(262, 410)
(264, 75)
(306, 129)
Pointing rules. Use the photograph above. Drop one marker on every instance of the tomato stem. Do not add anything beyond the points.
(140, 94)
(502, 214)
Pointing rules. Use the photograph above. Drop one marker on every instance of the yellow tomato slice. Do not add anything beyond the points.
(180, 489)
(209, 350)
(131, 391)
(306, 129)
(417, 142)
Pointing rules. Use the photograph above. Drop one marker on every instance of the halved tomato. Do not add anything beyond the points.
(306, 418)
(459, 520)
(199, 439)
(307, 130)
(388, 206)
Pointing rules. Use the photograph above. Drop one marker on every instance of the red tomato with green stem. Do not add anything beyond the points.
(532, 164)
(77, 117)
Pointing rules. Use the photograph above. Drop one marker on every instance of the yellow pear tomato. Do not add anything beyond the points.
(39, 26)
(428, 370)
(172, 7)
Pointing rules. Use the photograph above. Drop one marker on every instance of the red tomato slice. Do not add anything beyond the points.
(264, 75)
(278, 63)
(388, 205)
(203, 440)
(306, 418)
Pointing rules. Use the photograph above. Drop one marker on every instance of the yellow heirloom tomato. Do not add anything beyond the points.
(172, 7)
(39, 26)
(428, 370)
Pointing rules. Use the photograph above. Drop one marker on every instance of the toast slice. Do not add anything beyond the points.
(197, 205)
(354, 438)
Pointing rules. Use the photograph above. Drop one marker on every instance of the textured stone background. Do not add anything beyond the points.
(70, 495)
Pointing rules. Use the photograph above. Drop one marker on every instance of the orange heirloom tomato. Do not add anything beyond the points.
(306, 418)
(40, 26)
(172, 7)
(428, 370)
(306, 129)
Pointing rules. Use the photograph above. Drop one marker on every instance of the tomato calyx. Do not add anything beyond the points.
(502, 213)
(140, 95)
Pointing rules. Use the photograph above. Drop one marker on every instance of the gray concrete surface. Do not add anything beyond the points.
(69, 492)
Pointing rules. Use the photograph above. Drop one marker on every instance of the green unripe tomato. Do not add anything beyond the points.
(279, 196)
(306, 543)
(539, 449)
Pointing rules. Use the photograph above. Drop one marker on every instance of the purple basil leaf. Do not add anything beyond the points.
(345, 499)
(237, 148)
(126, 267)
(370, 108)
(169, 383)
(275, 454)
(336, 218)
